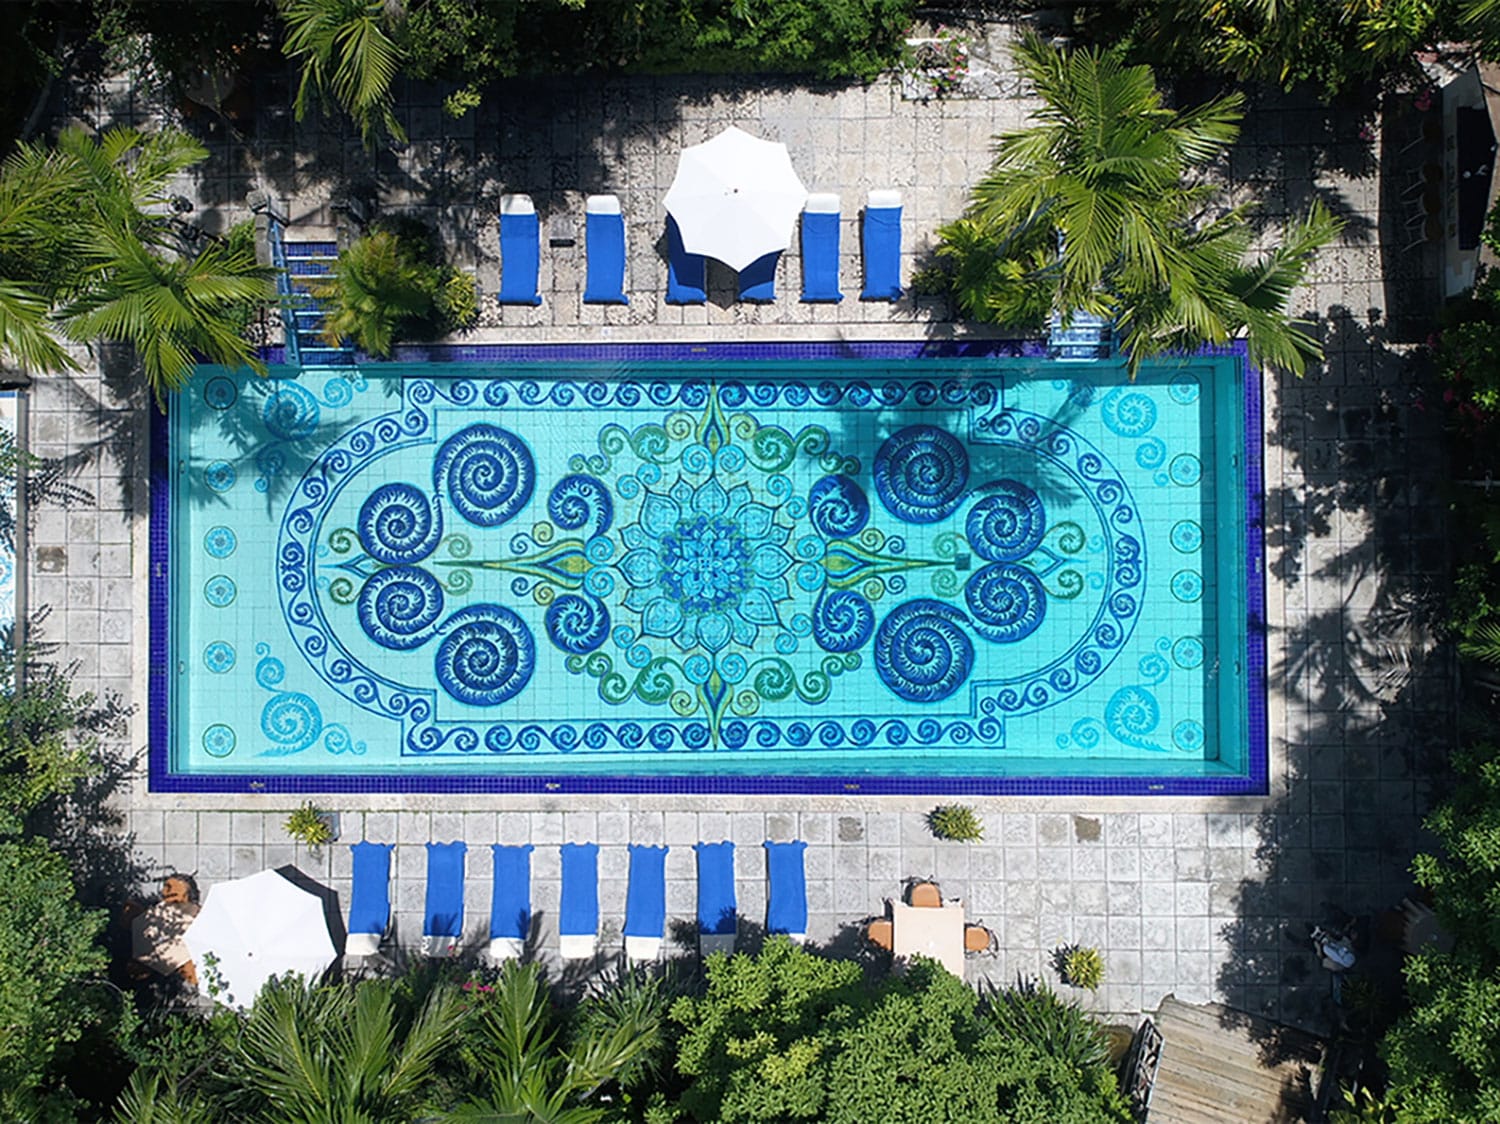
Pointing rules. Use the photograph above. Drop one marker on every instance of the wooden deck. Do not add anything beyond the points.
(1216, 1065)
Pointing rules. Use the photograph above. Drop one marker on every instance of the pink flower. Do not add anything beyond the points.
(1366, 133)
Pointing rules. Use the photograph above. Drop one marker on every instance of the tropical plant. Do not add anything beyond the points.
(787, 1035)
(1443, 1054)
(1033, 1013)
(347, 51)
(87, 252)
(516, 1057)
(1079, 966)
(309, 825)
(1334, 45)
(957, 822)
(1096, 208)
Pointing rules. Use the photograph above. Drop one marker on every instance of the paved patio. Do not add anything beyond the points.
(1190, 897)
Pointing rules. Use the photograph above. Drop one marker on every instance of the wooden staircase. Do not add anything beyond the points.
(1219, 1064)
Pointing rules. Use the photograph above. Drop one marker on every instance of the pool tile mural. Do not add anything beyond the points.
(949, 568)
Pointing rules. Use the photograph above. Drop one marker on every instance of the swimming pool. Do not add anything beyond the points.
(674, 573)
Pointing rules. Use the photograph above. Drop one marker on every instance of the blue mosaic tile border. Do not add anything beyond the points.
(1254, 782)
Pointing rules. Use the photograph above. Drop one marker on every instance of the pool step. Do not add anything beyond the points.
(308, 263)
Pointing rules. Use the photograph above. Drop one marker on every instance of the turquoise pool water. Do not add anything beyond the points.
(929, 568)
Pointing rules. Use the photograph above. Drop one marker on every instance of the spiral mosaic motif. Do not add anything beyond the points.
(922, 652)
(1130, 414)
(581, 502)
(1008, 602)
(1008, 524)
(1131, 714)
(486, 472)
(487, 657)
(292, 721)
(842, 621)
(921, 474)
(838, 507)
(577, 624)
(219, 476)
(398, 607)
(218, 740)
(219, 591)
(399, 525)
(218, 657)
(220, 393)
(290, 412)
(219, 542)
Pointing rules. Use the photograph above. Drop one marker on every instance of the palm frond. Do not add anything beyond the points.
(1484, 645)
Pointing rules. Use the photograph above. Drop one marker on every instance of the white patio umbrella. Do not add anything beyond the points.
(735, 198)
(252, 929)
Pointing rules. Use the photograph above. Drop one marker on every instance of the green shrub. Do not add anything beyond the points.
(1079, 966)
(457, 302)
(308, 825)
(957, 822)
(1033, 1013)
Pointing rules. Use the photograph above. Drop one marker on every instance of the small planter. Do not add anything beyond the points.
(312, 826)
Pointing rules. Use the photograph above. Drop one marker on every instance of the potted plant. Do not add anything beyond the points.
(1079, 966)
(312, 826)
(957, 822)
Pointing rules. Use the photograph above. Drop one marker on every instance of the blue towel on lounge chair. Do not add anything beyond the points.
(520, 250)
(820, 249)
(882, 247)
(370, 898)
(578, 916)
(510, 904)
(604, 237)
(646, 902)
(758, 279)
(786, 905)
(716, 899)
(686, 273)
(444, 913)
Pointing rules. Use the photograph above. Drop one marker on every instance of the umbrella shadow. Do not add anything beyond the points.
(332, 912)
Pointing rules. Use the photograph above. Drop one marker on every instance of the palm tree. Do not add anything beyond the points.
(377, 285)
(527, 1072)
(346, 50)
(1098, 207)
(86, 252)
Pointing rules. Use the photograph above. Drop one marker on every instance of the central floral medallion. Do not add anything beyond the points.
(705, 567)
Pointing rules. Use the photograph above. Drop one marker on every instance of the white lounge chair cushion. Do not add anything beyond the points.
(710, 943)
(438, 946)
(638, 949)
(822, 203)
(602, 205)
(506, 948)
(362, 944)
(517, 205)
(883, 198)
(578, 946)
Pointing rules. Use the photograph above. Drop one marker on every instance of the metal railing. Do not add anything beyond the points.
(285, 293)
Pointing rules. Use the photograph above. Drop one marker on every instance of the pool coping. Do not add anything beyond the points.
(1254, 783)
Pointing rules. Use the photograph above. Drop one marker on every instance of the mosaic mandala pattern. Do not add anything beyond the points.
(716, 576)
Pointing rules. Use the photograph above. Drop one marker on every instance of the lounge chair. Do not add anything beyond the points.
(578, 917)
(758, 279)
(786, 904)
(716, 900)
(510, 901)
(604, 242)
(646, 903)
(820, 249)
(882, 247)
(686, 273)
(443, 917)
(520, 250)
(370, 898)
